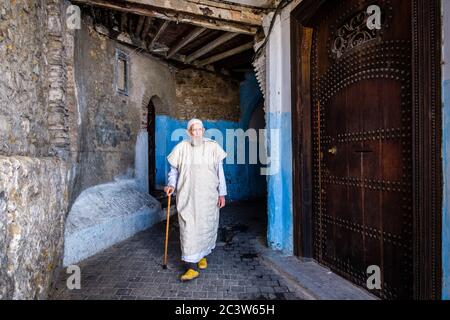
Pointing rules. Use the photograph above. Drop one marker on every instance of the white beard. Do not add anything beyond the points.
(196, 141)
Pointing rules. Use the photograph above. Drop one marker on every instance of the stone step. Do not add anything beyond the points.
(308, 278)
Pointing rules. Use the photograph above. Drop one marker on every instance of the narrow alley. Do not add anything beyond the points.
(132, 269)
(307, 140)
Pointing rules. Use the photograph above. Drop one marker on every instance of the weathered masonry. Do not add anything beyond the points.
(354, 97)
(87, 115)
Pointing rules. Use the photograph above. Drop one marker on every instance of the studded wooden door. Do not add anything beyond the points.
(362, 138)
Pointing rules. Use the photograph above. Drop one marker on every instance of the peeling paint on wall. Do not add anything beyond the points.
(278, 117)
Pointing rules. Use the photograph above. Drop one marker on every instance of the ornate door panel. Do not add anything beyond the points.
(362, 142)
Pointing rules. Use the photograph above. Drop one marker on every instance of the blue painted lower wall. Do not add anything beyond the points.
(446, 193)
(279, 185)
(243, 180)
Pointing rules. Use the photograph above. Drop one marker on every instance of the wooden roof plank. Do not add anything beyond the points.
(140, 24)
(239, 14)
(190, 37)
(158, 34)
(211, 46)
(225, 54)
(173, 15)
(147, 25)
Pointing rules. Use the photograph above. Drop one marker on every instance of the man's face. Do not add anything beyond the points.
(196, 131)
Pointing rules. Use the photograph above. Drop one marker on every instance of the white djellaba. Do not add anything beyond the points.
(197, 194)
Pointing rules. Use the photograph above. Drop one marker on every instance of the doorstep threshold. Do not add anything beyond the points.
(313, 281)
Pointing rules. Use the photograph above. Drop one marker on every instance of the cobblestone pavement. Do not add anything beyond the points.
(133, 269)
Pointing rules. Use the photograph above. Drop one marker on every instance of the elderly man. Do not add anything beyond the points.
(196, 172)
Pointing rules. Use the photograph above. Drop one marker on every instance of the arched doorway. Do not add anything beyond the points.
(154, 103)
(151, 145)
(257, 122)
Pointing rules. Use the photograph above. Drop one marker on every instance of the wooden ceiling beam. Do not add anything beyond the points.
(147, 25)
(111, 19)
(178, 16)
(131, 19)
(232, 13)
(123, 21)
(225, 54)
(141, 44)
(189, 38)
(139, 26)
(158, 34)
(211, 46)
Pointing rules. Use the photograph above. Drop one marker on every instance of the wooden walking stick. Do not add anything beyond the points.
(167, 234)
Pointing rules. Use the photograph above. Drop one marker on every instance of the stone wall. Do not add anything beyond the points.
(109, 123)
(111, 126)
(23, 112)
(34, 143)
(63, 128)
(33, 204)
(207, 96)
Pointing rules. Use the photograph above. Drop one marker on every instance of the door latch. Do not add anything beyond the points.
(332, 151)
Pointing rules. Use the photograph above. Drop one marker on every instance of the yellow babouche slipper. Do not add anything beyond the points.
(202, 264)
(189, 275)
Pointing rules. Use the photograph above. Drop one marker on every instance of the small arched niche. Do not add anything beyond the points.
(145, 170)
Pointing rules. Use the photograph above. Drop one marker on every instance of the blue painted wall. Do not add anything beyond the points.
(446, 195)
(239, 177)
(243, 180)
(280, 224)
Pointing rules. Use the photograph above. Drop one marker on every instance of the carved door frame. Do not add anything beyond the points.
(427, 167)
